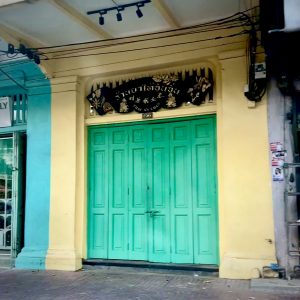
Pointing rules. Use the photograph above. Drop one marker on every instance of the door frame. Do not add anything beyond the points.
(158, 121)
(18, 194)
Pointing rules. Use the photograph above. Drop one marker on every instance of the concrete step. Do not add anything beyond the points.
(200, 270)
(6, 261)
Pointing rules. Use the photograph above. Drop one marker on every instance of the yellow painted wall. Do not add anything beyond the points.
(245, 202)
(245, 199)
(63, 252)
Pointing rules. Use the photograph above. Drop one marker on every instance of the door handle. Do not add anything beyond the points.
(152, 212)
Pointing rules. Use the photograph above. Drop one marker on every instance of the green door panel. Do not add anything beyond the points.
(152, 191)
(118, 194)
(137, 188)
(181, 193)
(204, 191)
(98, 194)
(159, 199)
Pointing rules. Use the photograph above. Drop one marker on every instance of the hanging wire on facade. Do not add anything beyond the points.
(141, 37)
(71, 51)
(256, 87)
(238, 18)
(239, 21)
(231, 22)
(12, 79)
(18, 62)
(158, 47)
(153, 47)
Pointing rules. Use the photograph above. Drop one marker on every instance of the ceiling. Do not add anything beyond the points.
(40, 23)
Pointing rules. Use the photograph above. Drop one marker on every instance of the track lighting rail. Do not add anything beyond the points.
(118, 9)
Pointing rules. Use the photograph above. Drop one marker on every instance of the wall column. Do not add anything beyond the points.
(245, 195)
(63, 252)
(33, 254)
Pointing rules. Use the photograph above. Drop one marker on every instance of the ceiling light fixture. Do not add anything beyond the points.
(139, 12)
(119, 16)
(31, 53)
(119, 8)
(101, 20)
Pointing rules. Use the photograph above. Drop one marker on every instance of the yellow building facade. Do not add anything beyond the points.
(245, 215)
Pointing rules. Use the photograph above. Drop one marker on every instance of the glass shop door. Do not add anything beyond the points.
(6, 167)
(12, 161)
(18, 205)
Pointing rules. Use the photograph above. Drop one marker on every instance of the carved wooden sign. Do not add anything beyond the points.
(149, 94)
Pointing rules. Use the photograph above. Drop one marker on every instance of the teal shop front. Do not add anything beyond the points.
(12, 173)
(24, 166)
(152, 191)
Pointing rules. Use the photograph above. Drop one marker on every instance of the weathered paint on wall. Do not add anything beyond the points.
(245, 200)
(280, 130)
(29, 75)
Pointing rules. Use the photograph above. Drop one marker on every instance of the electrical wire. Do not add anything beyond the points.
(71, 51)
(256, 87)
(12, 79)
(241, 16)
(17, 61)
(97, 47)
(45, 85)
(149, 57)
(215, 22)
(151, 48)
(235, 21)
(53, 92)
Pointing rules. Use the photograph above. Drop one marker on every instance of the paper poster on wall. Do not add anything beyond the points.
(276, 146)
(278, 159)
(279, 154)
(277, 162)
(277, 174)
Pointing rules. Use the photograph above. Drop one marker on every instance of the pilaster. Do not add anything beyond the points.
(63, 252)
(36, 232)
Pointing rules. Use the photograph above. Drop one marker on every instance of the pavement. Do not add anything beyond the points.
(120, 283)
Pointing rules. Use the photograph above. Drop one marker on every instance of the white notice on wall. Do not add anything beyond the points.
(277, 174)
(5, 112)
(278, 158)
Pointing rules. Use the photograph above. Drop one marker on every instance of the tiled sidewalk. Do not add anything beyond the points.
(127, 283)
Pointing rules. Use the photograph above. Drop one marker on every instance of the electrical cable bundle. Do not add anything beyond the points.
(256, 87)
(62, 52)
(101, 47)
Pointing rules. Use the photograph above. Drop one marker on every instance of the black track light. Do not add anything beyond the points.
(119, 16)
(119, 8)
(29, 53)
(139, 12)
(36, 59)
(22, 49)
(11, 49)
(101, 20)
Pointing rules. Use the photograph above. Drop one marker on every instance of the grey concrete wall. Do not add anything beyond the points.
(280, 130)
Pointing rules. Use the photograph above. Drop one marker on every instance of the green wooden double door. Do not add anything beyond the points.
(152, 192)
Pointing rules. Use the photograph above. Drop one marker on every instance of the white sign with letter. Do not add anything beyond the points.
(5, 112)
